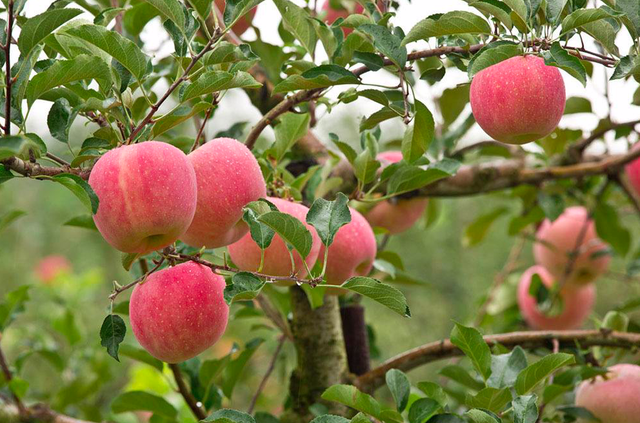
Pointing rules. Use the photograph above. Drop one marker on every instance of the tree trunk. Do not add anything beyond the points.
(322, 360)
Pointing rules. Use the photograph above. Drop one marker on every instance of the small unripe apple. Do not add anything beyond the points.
(331, 14)
(396, 215)
(229, 178)
(50, 267)
(518, 100)
(179, 312)
(577, 303)
(614, 398)
(277, 262)
(147, 194)
(352, 252)
(243, 23)
(556, 242)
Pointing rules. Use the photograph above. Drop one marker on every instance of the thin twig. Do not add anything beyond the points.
(263, 382)
(8, 79)
(58, 159)
(118, 290)
(574, 152)
(184, 390)
(207, 115)
(8, 377)
(274, 315)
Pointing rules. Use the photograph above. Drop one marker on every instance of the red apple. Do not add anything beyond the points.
(51, 267)
(179, 312)
(633, 172)
(518, 100)
(246, 254)
(577, 303)
(614, 398)
(147, 195)
(396, 215)
(557, 241)
(229, 178)
(243, 23)
(352, 252)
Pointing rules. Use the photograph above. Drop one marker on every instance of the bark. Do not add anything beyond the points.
(322, 360)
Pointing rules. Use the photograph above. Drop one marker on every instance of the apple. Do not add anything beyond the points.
(518, 100)
(331, 14)
(243, 23)
(179, 312)
(556, 241)
(229, 178)
(396, 215)
(51, 267)
(633, 172)
(577, 303)
(614, 398)
(147, 196)
(246, 254)
(352, 252)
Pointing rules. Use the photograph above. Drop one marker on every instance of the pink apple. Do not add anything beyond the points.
(246, 254)
(229, 178)
(243, 23)
(50, 267)
(179, 312)
(352, 252)
(518, 100)
(147, 195)
(577, 303)
(558, 240)
(633, 172)
(396, 215)
(614, 398)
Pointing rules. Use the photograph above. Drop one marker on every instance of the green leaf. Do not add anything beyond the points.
(492, 399)
(582, 17)
(229, 416)
(460, 375)
(82, 221)
(577, 105)
(292, 127)
(472, 344)
(382, 293)
(80, 188)
(127, 260)
(554, 10)
(19, 386)
(143, 401)
(631, 9)
(82, 67)
(112, 334)
(603, 32)
(178, 116)
(381, 115)
(137, 17)
(60, 119)
(330, 418)
(400, 387)
(297, 21)
(451, 23)
(244, 287)
(215, 81)
(505, 368)
(234, 369)
(609, 228)
(13, 305)
(18, 146)
(422, 410)
(414, 146)
(496, 9)
(5, 173)
(519, 14)
(453, 102)
(140, 355)
(36, 28)
(203, 7)
(292, 231)
(329, 216)
(558, 57)
(478, 230)
(353, 398)
(540, 370)
(482, 416)
(525, 409)
(434, 391)
(319, 77)
(260, 233)
(386, 43)
(411, 178)
(123, 50)
(235, 9)
(172, 10)
(491, 54)
(10, 217)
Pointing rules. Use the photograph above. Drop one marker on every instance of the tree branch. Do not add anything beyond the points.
(263, 382)
(528, 340)
(186, 393)
(575, 150)
(8, 79)
(39, 412)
